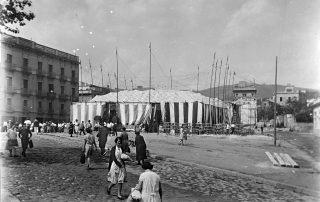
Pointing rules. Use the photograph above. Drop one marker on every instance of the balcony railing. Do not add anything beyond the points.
(40, 73)
(26, 91)
(63, 78)
(74, 80)
(41, 94)
(51, 95)
(26, 70)
(51, 75)
(63, 97)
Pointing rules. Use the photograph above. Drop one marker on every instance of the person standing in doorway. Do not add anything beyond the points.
(102, 138)
(36, 126)
(25, 135)
(140, 147)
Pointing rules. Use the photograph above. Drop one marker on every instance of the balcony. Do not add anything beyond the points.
(9, 66)
(63, 97)
(26, 92)
(40, 74)
(10, 90)
(41, 94)
(63, 78)
(51, 96)
(26, 70)
(74, 80)
(51, 75)
(74, 99)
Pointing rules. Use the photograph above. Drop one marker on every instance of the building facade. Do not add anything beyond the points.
(289, 94)
(37, 81)
(244, 90)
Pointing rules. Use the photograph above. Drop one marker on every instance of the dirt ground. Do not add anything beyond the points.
(246, 154)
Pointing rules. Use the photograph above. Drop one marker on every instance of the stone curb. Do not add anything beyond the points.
(257, 179)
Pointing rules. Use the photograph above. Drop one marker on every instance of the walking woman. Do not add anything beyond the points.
(12, 142)
(140, 147)
(25, 135)
(89, 143)
(149, 185)
(116, 168)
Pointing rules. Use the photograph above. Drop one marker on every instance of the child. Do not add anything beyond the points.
(12, 141)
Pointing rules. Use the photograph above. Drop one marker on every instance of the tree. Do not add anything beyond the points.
(13, 12)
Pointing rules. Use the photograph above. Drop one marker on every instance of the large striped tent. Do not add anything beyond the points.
(165, 106)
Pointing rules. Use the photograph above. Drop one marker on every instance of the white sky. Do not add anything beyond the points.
(184, 35)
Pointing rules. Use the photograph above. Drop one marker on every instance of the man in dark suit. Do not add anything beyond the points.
(102, 137)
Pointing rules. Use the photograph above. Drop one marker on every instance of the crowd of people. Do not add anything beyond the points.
(148, 187)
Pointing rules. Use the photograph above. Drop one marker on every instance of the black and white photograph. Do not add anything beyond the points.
(159, 100)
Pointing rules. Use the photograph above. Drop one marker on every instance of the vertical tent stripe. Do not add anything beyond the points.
(131, 114)
(181, 112)
(95, 110)
(185, 112)
(190, 112)
(199, 116)
(171, 106)
(99, 109)
(167, 112)
(90, 111)
(86, 112)
(122, 114)
(127, 114)
(83, 112)
(163, 111)
(78, 113)
(195, 112)
(141, 108)
(74, 112)
(147, 114)
(135, 113)
(176, 112)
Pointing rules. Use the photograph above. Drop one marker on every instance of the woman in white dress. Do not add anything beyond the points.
(149, 185)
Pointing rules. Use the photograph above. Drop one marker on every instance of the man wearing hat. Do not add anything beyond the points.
(102, 137)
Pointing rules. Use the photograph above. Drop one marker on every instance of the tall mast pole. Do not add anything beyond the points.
(125, 82)
(117, 78)
(91, 79)
(109, 80)
(198, 81)
(214, 88)
(170, 79)
(101, 75)
(81, 79)
(132, 84)
(214, 58)
(219, 89)
(229, 86)
(224, 80)
(150, 74)
(275, 105)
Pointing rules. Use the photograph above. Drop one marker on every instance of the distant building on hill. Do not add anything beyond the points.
(289, 94)
(244, 90)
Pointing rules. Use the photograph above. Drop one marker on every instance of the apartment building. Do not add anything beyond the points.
(37, 81)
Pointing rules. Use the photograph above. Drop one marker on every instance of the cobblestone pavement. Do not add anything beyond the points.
(52, 172)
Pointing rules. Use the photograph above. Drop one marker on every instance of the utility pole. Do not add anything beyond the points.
(275, 105)
(117, 78)
(125, 82)
(81, 79)
(198, 81)
(150, 75)
(214, 58)
(91, 79)
(230, 97)
(224, 80)
(219, 91)
(214, 89)
(132, 84)
(101, 76)
(109, 80)
(170, 80)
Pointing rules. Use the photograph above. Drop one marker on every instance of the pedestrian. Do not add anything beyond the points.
(71, 129)
(88, 126)
(36, 126)
(227, 129)
(181, 136)
(125, 141)
(140, 147)
(117, 171)
(76, 127)
(261, 129)
(149, 185)
(82, 128)
(89, 143)
(5, 126)
(102, 138)
(12, 142)
(25, 136)
(233, 126)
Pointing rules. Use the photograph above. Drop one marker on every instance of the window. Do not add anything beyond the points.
(39, 67)
(289, 99)
(62, 107)
(50, 106)
(9, 102)
(62, 71)
(51, 88)
(39, 86)
(62, 90)
(9, 82)
(25, 83)
(25, 62)
(73, 74)
(280, 99)
(9, 58)
(40, 105)
(244, 94)
(50, 67)
(73, 91)
(25, 103)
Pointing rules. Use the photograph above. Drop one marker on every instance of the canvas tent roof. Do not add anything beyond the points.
(156, 96)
